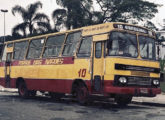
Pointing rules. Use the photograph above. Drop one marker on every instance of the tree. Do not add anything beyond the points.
(33, 21)
(78, 13)
(59, 17)
(125, 10)
(150, 25)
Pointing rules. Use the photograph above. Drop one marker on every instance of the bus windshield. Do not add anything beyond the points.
(147, 47)
(122, 44)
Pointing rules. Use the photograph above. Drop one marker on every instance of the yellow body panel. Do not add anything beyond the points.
(97, 29)
(110, 65)
(62, 71)
(9, 49)
(101, 37)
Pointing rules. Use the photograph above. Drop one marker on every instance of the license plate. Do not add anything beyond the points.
(144, 90)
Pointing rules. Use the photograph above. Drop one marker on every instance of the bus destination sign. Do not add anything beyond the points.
(133, 28)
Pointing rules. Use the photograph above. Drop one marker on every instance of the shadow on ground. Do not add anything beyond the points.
(69, 101)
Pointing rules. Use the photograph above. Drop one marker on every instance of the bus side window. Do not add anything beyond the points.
(4, 53)
(20, 50)
(98, 49)
(53, 46)
(85, 47)
(35, 48)
(71, 44)
(1, 51)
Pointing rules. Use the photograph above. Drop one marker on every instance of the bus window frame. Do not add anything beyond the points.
(146, 35)
(3, 47)
(139, 47)
(78, 43)
(29, 48)
(25, 50)
(123, 31)
(10, 52)
(80, 46)
(101, 51)
(47, 37)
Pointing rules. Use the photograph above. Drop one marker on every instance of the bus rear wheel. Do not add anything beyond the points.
(82, 94)
(22, 90)
(123, 100)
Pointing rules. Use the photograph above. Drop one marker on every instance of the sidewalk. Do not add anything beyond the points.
(159, 99)
(2, 89)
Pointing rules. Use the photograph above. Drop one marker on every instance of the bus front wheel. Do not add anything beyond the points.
(123, 100)
(22, 90)
(82, 94)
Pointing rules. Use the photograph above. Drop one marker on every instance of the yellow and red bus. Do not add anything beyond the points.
(112, 59)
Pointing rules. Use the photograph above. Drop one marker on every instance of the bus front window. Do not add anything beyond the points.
(147, 47)
(122, 44)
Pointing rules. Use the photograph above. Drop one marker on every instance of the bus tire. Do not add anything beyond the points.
(82, 94)
(123, 100)
(22, 90)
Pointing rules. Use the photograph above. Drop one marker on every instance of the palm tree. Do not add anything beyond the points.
(78, 12)
(59, 18)
(33, 21)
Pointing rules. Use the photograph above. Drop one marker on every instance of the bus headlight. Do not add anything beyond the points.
(123, 80)
(155, 82)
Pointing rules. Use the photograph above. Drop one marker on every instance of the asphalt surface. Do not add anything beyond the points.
(12, 107)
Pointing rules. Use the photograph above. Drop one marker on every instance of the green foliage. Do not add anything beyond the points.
(78, 13)
(33, 21)
(162, 86)
(125, 10)
(162, 65)
(150, 25)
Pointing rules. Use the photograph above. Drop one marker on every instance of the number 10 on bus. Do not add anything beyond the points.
(82, 72)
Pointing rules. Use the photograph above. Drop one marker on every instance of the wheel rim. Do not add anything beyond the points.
(82, 94)
(22, 89)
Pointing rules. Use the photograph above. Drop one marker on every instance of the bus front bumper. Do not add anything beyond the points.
(136, 91)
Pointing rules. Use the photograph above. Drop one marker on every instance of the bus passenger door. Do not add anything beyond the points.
(8, 69)
(98, 67)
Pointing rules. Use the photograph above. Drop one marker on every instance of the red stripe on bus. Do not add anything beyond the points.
(51, 61)
(53, 85)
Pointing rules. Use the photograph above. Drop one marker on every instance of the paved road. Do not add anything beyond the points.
(43, 108)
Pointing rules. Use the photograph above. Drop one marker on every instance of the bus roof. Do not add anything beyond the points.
(97, 29)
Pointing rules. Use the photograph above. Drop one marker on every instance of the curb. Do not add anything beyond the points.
(159, 99)
(149, 103)
(8, 90)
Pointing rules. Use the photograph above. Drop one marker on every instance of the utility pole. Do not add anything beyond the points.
(4, 11)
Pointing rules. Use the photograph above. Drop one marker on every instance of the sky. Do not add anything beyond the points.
(48, 7)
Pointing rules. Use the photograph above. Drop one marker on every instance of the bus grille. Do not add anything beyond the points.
(141, 81)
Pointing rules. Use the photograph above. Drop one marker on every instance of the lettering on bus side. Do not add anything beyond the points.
(37, 62)
(27, 62)
(54, 61)
(96, 28)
